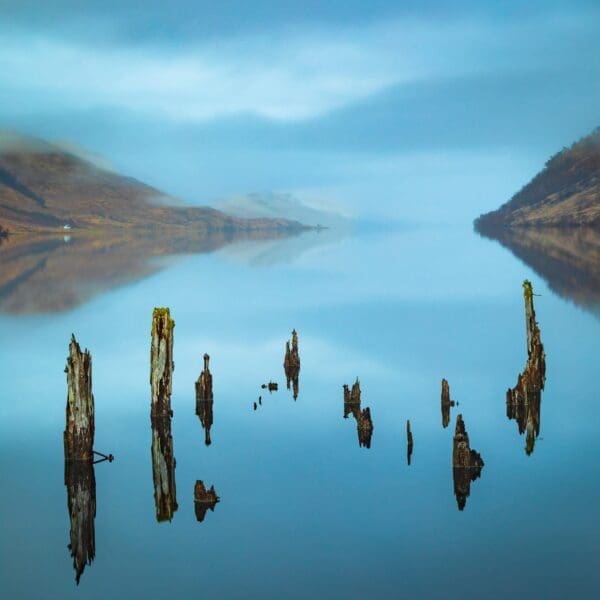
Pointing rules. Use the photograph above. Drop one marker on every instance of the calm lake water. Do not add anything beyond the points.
(305, 511)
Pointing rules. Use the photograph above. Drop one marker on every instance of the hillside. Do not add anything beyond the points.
(565, 193)
(44, 187)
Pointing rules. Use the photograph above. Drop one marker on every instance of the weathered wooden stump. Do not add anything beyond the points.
(204, 499)
(364, 423)
(352, 396)
(163, 469)
(523, 402)
(79, 430)
(204, 400)
(161, 362)
(291, 365)
(81, 502)
(466, 464)
(446, 403)
(409, 442)
(204, 389)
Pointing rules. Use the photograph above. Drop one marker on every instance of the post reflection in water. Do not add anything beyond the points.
(163, 469)
(409, 443)
(204, 500)
(523, 402)
(80, 481)
(204, 400)
(466, 464)
(364, 423)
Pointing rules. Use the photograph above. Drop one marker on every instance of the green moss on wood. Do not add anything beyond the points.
(163, 313)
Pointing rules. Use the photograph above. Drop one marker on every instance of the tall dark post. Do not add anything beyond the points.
(79, 430)
(161, 373)
(79, 468)
(161, 362)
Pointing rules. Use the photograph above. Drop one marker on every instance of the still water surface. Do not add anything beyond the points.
(304, 510)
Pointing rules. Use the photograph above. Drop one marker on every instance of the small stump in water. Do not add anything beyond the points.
(204, 499)
(466, 464)
(204, 400)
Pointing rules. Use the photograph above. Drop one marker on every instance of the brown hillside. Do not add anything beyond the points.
(565, 193)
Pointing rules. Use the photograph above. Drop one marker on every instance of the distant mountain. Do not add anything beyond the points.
(565, 193)
(274, 205)
(44, 187)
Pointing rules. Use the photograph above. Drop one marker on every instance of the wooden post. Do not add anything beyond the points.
(161, 362)
(523, 402)
(79, 431)
(446, 403)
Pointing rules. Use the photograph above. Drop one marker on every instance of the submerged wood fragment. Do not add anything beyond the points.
(81, 503)
(409, 442)
(79, 430)
(204, 499)
(161, 362)
(204, 400)
(523, 402)
(466, 464)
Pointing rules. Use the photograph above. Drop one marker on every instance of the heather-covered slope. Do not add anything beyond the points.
(565, 193)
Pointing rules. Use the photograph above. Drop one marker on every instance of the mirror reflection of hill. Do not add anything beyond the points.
(567, 258)
(54, 273)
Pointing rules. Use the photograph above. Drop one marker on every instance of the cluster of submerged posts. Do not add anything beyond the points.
(522, 404)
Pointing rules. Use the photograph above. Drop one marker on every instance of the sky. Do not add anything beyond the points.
(352, 103)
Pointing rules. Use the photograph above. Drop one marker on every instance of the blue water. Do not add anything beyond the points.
(304, 511)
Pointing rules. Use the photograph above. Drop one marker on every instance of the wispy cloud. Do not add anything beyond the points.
(284, 76)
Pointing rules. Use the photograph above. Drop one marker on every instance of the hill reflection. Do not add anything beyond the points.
(567, 258)
(54, 274)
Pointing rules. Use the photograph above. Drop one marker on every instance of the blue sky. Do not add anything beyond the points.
(210, 99)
